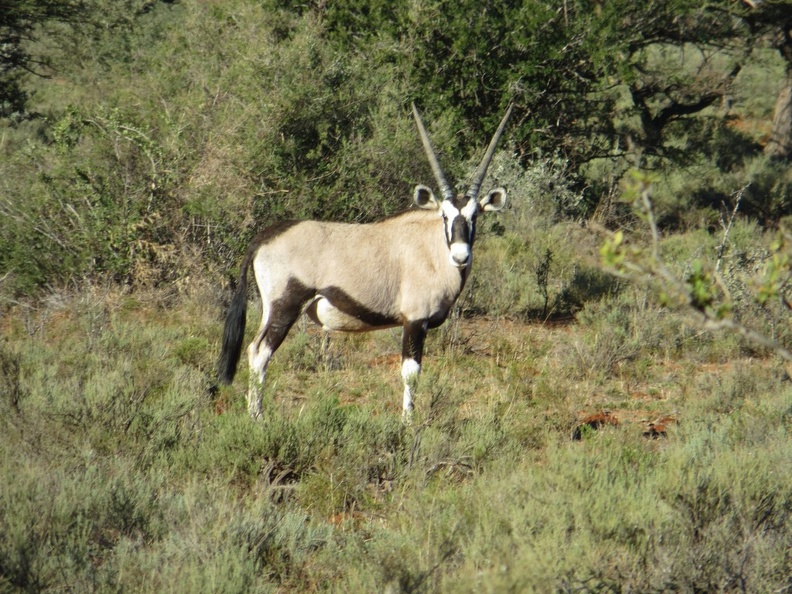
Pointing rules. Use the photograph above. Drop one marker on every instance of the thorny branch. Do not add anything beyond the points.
(706, 317)
(727, 226)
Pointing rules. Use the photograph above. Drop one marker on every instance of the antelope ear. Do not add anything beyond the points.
(493, 201)
(425, 198)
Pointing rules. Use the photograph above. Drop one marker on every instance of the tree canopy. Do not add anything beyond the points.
(163, 127)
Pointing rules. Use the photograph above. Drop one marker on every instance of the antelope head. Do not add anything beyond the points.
(459, 211)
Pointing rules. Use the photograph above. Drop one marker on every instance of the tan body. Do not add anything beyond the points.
(416, 282)
(406, 270)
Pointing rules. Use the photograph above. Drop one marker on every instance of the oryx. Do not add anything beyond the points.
(405, 270)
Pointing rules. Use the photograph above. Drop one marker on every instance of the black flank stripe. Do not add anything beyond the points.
(342, 301)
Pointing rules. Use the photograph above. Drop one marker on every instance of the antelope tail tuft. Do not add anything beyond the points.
(233, 332)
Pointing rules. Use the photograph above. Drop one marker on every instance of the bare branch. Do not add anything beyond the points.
(727, 226)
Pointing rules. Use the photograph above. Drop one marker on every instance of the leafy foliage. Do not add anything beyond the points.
(167, 133)
(717, 296)
(20, 25)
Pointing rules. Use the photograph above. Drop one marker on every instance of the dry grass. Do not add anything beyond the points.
(107, 412)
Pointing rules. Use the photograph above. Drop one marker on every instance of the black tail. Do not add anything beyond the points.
(234, 331)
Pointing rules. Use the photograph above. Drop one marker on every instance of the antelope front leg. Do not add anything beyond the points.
(413, 337)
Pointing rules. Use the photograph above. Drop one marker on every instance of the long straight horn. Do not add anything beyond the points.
(445, 187)
(475, 185)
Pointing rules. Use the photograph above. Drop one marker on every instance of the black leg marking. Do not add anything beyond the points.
(413, 338)
(412, 352)
(283, 313)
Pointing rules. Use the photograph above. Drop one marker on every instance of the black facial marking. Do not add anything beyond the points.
(456, 232)
(460, 201)
(343, 302)
(459, 230)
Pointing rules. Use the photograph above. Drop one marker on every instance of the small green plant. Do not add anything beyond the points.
(542, 278)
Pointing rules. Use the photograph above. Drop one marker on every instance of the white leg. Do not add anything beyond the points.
(258, 358)
(412, 350)
(410, 371)
(324, 348)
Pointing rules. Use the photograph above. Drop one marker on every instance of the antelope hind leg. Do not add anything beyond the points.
(259, 354)
(281, 318)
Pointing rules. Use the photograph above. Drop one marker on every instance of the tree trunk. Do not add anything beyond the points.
(780, 144)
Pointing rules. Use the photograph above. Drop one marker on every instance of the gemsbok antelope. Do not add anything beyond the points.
(405, 270)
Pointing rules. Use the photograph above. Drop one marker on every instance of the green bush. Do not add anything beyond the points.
(121, 472)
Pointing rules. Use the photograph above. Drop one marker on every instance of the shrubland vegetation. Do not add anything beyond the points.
(641, 269)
